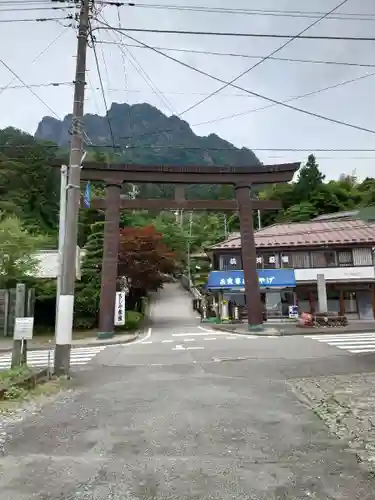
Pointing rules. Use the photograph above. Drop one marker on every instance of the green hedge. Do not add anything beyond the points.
(133, 320)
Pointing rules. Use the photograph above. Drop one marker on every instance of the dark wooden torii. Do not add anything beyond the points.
(241, 177)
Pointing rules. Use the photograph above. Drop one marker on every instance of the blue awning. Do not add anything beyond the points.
(268, 278)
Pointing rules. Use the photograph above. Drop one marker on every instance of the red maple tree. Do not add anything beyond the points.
(144, 257)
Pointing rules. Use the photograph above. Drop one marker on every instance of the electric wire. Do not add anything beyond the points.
(38, 20)
(240, 35)
(126, 86)
(245, 56)
(255, 94)
(37, 9)
(30, 89)
(41, 54)
(265, 58)
(137, 66)
(102, 88)
(37, 86)
(312, 150)
(291, 99)
(242, 11)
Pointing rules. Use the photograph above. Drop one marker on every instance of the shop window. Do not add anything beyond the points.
(277, 303)
(259, 262)
(333, 301)
(323, 259)
(298, 260)
(345, 258)
(286, 260)
(270, 261)
(350, 303)
(230, 262)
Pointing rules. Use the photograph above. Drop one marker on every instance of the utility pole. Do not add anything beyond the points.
(225, 226)
(66, 301)
(62, 215)
(188, 246)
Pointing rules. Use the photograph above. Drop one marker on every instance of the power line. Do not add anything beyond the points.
(102, 87)
(255, 94)
(245, 56)
(273, 53)
(36, 86)
(37, 9)
(137, 66)
(237, 34)
(124, 60)
(312, 150)
(37, 20)
(41, 54)
(30, 89)
(291, 99)
(241, 11)
(367, 158)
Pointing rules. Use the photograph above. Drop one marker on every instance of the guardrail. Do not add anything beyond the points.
(187, 284)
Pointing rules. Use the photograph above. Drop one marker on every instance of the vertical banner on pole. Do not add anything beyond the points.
(120, 308)
(87, 195)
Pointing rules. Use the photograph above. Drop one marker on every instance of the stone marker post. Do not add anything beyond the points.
(19, 313)
(322, 294)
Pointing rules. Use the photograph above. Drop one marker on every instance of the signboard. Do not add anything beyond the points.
(23, 328)
(120, 308)
(268, 278)
(293, 312)
(87, 195)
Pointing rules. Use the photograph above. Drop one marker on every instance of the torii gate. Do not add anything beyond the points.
(241, 177)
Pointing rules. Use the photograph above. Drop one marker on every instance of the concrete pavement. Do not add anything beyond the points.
(187, 413)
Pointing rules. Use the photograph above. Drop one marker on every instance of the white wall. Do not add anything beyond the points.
(344, 274)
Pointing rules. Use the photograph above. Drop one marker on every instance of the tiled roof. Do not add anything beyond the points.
(338, 215)
(308, 234)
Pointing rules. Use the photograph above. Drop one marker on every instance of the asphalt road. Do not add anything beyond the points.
(187, 413)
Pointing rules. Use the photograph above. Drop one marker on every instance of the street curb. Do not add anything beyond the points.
(74, 346)
(301, 332)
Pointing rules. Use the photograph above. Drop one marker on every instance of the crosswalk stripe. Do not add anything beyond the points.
(355, 343)
(343, 336)
(78, 356)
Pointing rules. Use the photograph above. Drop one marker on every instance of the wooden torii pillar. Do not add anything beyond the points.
(241, 177)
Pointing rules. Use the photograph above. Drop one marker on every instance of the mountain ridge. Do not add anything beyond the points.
(141, 133)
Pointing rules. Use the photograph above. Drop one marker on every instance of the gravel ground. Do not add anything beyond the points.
(346, 404)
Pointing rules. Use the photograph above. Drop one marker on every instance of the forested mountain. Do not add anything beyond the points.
(140, 133)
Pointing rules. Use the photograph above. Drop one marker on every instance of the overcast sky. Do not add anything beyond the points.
(276, 127)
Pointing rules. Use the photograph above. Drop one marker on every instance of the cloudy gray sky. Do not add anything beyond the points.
(276, 127)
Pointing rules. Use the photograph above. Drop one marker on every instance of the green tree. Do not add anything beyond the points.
(309, 180)
(29, 187)
(18, 251)
(88, 289)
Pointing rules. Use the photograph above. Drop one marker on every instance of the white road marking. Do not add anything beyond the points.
(196, 334)
(238, 335)
(231, 338)
(166, 341)
(178, 348)
(189, 340)
(141, 341)
(210, 338)
(355, 343)
(195, 347)
(78, 356)
(147, 342)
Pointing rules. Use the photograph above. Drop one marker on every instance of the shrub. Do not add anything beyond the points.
(133, 321)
